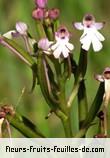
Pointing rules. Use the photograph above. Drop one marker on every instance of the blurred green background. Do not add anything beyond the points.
(14, 75)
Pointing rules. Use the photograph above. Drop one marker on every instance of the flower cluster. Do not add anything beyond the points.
(61, 47)
(51, 60)
(41, 12)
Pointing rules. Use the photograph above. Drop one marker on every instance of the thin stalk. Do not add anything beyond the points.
(40, 30)
(27, 44)
(1, 123)
(62, 99)
(65, 122)
(48, 29)
(105, 104)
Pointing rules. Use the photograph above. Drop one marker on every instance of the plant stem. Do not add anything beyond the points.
(105, 114)
(66, 122)
(40, 30)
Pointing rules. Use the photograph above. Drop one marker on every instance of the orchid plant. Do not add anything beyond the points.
(50, 57)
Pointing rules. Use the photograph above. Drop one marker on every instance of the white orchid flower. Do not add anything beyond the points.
(91, 35)
(62, 45)
(105, 77)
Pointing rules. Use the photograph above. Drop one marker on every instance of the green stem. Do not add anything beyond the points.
(66, 122)
(40, 30)
(48, 29)
(62, 99)
(105, 105)
(81, 133)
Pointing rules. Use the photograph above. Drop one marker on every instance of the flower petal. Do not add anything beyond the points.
(70, 46)
(97, 45)
(78, 25)
(47, 52)
(57, 52)
(99, 78)
(99, 25)
(86, 42)
(65, 52)
(100, 36)
(53, 47)
(107, 88)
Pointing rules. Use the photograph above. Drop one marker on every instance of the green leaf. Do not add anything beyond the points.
(17, 50)
(42, 79)
(24, 125)
(95, 107)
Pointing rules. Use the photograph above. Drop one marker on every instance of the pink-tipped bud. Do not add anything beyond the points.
(21, 28)
(38, 13)
(41, 3)
(44, 44)
(54, 13)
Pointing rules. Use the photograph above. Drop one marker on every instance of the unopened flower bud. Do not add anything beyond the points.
(38, 14)
(21, 28)
(54, 13)
(41, 3)
(44, 44)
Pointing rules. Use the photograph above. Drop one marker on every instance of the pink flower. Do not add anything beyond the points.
(54, 13)
(45, 44)
(21, 28)
(38, 13)
(41, 3)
